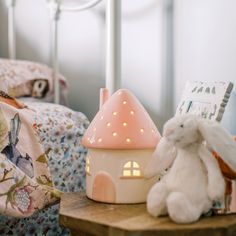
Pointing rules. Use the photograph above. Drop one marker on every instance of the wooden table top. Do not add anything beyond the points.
(77, 212)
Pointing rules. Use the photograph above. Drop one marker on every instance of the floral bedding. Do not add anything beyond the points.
(59, 130)
(25, 180)
(21, 78)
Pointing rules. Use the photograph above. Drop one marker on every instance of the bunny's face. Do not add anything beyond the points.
(182, 130)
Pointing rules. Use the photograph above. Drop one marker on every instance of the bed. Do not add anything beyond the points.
(60, 131)
(51, 130)
(56, 129)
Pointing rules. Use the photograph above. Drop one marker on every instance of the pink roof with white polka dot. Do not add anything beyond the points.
(122, 123)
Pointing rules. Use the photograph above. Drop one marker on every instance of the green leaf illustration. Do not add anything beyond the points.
(11, 192)
(44, 180)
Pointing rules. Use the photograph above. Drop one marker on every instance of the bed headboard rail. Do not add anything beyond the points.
(113, 39)
(55, 13)
(11, 29)
(113, 45)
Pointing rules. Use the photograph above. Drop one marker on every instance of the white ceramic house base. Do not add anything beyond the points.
(116, 176)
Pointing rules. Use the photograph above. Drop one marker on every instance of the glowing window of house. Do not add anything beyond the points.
(131, 169)
(87, 167)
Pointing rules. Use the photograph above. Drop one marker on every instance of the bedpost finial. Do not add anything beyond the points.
(10, 3)
(54, 6)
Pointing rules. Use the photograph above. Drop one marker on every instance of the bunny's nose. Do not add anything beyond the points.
(168, 132)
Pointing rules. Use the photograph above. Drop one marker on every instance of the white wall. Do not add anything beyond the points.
(142, 54)
(205, 49)
(205, 46)
(82, 50)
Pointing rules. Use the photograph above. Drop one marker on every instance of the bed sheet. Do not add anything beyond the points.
(60, 130)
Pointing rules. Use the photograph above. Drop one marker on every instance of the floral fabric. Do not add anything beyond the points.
(25, 180)
(60, 131)
(42, 223)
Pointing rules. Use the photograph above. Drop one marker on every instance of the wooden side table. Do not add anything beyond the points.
(87, 218)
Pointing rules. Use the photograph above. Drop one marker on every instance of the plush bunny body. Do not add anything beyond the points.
(194, 180)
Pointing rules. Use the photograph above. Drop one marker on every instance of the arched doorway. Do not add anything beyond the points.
(104, 188)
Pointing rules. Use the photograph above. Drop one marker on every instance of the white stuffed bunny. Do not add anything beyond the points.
(194, 180)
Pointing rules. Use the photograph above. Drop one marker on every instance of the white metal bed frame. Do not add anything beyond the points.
(113, 39)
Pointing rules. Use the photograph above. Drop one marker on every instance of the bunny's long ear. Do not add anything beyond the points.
(219, 140)
(162, 159)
